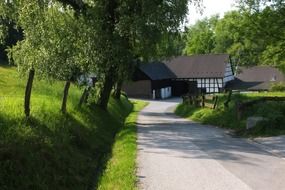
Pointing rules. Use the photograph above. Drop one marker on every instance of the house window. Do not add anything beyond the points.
(209, 85)
(273, 79)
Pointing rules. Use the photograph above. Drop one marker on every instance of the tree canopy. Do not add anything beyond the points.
(66, 38)
(253, 35)
(200, 37)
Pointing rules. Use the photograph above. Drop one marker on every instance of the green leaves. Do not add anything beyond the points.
(52, 43)
(66, 38)
(201, 37)
(3, 32)
(253, 35)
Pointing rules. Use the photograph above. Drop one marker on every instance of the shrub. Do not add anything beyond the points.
(277, 87)
(227, 117)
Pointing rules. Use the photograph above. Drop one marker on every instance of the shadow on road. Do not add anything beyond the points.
(192, 140)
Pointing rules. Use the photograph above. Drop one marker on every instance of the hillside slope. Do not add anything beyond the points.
(52, 151)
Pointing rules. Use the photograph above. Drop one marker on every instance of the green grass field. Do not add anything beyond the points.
(227, 117)
(53, 151)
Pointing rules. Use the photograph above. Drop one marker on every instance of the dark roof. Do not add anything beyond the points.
(199, 66)
(260, 74)
(238, 84)
(157, 71)
(256, 78)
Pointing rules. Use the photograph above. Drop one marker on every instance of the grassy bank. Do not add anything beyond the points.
(121, 168)
(52, 151)
(227, 117)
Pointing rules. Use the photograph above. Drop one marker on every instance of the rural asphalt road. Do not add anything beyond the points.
(177, 154)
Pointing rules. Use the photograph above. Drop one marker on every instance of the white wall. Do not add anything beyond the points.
(212, 85)
(229, 76)
(165, 92)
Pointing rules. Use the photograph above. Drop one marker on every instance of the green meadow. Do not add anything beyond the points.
(54, 150)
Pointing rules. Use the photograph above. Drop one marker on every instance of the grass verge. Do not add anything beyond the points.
(120, 172)
(227, 117)
(54, 150)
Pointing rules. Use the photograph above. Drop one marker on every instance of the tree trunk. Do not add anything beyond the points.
(105, 92)
(28, 92)
(117, 93)
(84, 96)
(65, 95)
(109, 27)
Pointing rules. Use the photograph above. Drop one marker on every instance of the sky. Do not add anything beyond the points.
(211, 7)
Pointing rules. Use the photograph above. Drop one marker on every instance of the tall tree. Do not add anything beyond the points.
(139, 24)
(52, 46)
(253, 35)
(201, 37)
(267, 18)
(235, 35)
(116, 33)
(9, 13)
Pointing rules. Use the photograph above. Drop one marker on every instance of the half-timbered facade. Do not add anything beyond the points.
(210, 72)
(180, 75)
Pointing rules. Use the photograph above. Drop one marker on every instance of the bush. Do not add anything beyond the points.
(277, 87)
(227, 117)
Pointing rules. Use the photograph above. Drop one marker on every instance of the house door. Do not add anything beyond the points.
(157, 94)
(192, 87)
(179, 88)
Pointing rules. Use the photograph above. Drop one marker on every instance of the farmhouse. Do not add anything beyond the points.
(180, 75)
(153, 80)
(256, 78)
(209, 73)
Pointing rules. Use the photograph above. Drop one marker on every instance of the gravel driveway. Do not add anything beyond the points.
(176, 154)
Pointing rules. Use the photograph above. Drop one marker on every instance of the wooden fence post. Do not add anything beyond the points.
(203, 100)
(239, 110)
(215, 102)
(226, 104)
